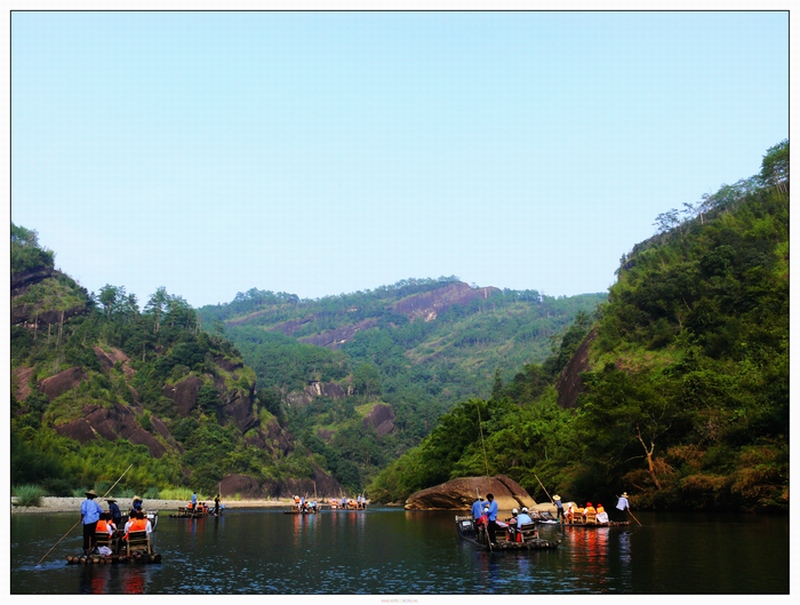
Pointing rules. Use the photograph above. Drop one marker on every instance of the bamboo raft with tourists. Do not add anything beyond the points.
(523, 538)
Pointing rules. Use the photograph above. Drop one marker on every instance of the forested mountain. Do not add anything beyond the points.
(679, 391)
(276, 395)
(98, 385)
(673, 386)
(363, 377)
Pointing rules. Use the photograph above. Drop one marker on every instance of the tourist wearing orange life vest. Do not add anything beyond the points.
(602, 515)
(138, 523)
(105, 525)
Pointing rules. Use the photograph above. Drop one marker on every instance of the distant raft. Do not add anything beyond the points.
(188, 512)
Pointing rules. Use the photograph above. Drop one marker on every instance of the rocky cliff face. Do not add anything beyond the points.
(459, 494)
(320, 484)
(428, 305)
(316, 389)
(568, 384)
(425, 305)
(380, 418)
(36, 315)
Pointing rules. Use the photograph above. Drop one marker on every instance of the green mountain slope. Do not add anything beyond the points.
(98, 385)
(678, 393)
(363, 377)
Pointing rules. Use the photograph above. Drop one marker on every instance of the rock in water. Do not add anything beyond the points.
(459, 494)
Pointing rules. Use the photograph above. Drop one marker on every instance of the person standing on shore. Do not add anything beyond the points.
(90, 515)
(216, 505)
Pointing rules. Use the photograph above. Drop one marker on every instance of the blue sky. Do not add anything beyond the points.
(322, 153)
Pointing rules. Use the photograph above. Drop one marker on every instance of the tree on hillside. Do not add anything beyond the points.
(26, 253)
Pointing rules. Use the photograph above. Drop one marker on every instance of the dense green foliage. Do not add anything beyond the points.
(686, 403)
(26, 253)
(163, 346)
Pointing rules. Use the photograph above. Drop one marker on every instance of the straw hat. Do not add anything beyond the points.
(556, 497)
(624, 494)
(91, 494)
(110, 500)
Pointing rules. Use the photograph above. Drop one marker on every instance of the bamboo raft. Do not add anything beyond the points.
(596, 525)
(546, 518)
(138, 557)
(297, 511)
(185, 512)
(479, 536)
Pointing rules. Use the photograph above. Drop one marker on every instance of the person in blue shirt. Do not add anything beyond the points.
(114, 511)
(492, 519)
(477, 509)
(90, 515)
(523, 518)
(194, 500)
(559, 508)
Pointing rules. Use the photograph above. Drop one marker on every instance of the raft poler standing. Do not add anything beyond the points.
(559, 508)
(90, 515)
(492, 519)
(622, 505)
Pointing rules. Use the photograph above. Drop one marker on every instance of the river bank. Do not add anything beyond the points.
(51, 504)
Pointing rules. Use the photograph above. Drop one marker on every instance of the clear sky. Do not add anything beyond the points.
(321, 153)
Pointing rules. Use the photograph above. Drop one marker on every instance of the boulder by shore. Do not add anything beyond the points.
(51, 504)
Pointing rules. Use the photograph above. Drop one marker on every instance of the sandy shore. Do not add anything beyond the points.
(56, 505)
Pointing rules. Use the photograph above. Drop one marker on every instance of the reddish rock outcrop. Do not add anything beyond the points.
(109, 359)
(381, 418)
(428, 305)
(20, 381)
(61, 382)
(459, 494)
(116, 422)
(184, 394)
(251, 488)
(569, 384)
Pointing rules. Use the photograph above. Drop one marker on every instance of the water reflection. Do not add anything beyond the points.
(388, 552)
(94, 579)
(134, 580)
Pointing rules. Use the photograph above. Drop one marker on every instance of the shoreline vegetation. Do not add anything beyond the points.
(52, 504)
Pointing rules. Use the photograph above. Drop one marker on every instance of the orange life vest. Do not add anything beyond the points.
(137, 525)
(103, 527)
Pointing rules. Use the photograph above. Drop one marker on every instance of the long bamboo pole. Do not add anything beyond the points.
(634, 516)
(480, 427)
(543, 487)
(79, 520)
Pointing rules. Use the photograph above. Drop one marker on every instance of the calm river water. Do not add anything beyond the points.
(395, 552)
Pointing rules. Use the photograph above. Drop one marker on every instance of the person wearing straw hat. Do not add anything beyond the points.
(90, 515)
(623, 506)
(114, 511)
(559, 508)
